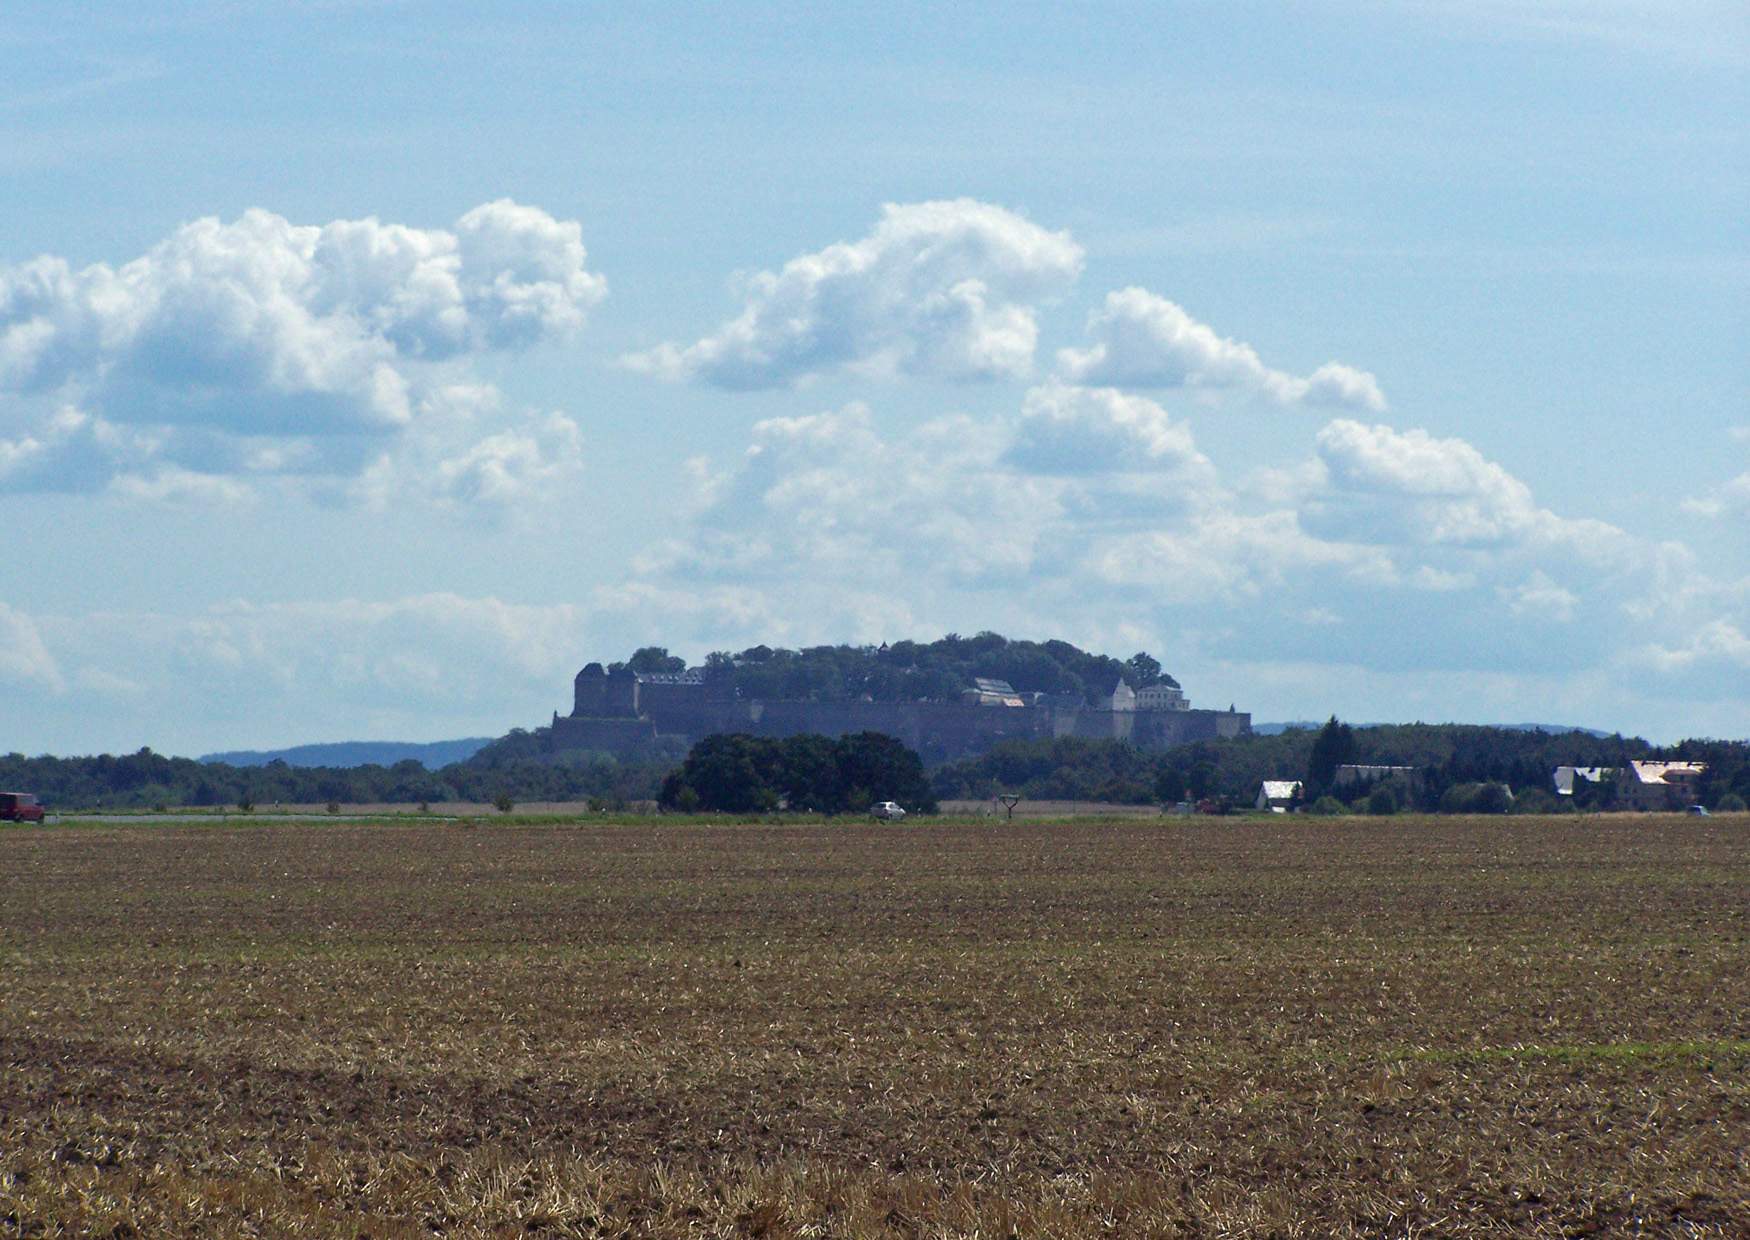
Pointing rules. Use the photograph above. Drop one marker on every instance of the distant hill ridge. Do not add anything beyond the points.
(430, 754)
(433, 755)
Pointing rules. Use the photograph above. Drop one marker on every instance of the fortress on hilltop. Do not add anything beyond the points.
(625, 712)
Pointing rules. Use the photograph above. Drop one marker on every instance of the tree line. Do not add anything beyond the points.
(731, 774)
(1459, 768)
(146, 780)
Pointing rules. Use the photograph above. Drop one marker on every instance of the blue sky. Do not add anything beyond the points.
(365, 368)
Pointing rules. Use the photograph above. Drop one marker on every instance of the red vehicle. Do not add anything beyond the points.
(19, 807)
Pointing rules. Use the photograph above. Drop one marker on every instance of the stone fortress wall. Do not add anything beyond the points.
(625, 713)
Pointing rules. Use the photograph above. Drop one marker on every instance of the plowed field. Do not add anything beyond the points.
(1128, 1028)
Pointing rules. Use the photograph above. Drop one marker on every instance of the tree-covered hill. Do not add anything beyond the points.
(908, 671)
(429, 754)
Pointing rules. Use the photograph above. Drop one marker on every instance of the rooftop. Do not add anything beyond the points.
(1665, 772)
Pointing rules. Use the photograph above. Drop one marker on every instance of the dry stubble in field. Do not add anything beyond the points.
(1145, 1028)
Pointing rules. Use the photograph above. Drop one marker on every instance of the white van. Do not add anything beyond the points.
(886, 811)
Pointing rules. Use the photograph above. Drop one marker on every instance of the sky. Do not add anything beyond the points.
(366, 368)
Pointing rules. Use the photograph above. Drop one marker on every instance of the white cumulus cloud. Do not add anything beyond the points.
(1142, 340)
(1230, 557)
(1388, 485)
(260, 345)
(829, 489)
(1094, 502)
(1539, 597)
(70, 450)
(24, 660)
(522, 273)
(1730, 498)
(506, 467)
(1077, 430)
(1713, 658)
(435, 649)
(943, 289)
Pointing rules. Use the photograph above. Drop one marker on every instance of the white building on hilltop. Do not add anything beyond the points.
(1163, 695)
(986, 691)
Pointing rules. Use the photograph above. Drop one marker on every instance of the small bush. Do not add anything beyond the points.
(1476, 799)
(334, 807)
(1540, 801)
(1731, 803)
(686, 801)
(1492, 799)
(1328, 806)
(1382, 801)
(504, 804)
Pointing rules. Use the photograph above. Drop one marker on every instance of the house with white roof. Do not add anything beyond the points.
(1357, 773)
(1566, 778)
(1658, 785)
(988, 691)
(1278, 795)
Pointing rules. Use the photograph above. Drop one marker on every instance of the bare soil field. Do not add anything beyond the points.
(1383, 1027)
(357, 809)
(1051, 809)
